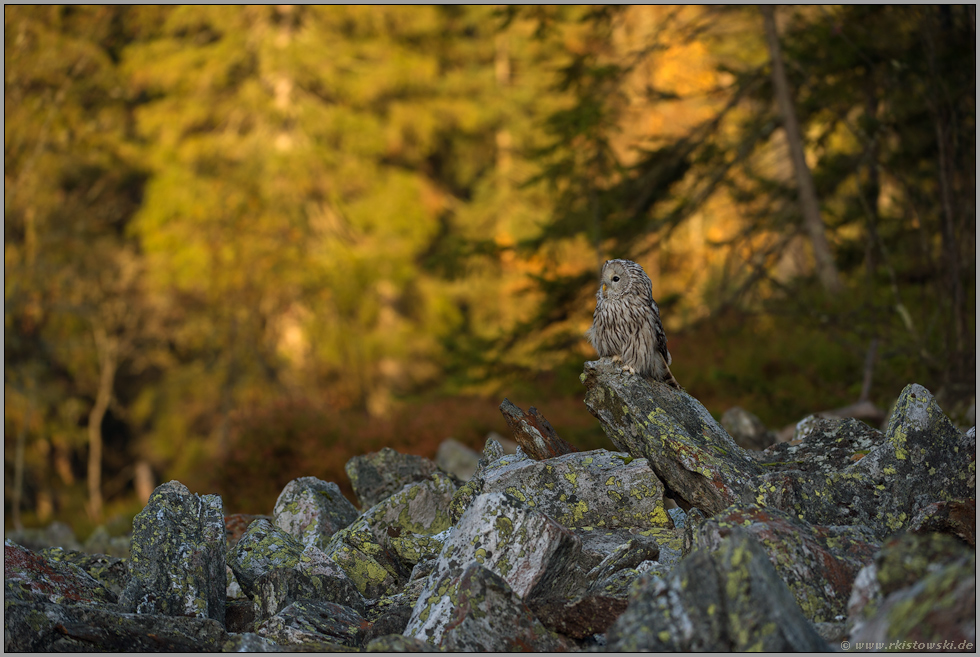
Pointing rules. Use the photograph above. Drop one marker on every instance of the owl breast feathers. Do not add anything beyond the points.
(626, 324)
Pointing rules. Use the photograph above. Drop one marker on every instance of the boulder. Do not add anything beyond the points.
(28, 576)
(846, 473)
(313, 510)
(315, 622)
(379, 474)
(727, 600)
(177, 567)
(275, 570)
(956, 517)
(697, 461)
(488, 616)
(535, 556)
(583, 489)
(818, 564)
(110, 572)
(920, 594)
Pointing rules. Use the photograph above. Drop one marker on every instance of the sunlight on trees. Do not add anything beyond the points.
(245, 241)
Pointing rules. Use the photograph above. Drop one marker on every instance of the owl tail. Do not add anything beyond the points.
(670, 380)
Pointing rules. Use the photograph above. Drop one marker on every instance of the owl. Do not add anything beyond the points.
(626, 324)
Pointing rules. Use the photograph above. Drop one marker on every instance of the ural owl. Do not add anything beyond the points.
(626, 324)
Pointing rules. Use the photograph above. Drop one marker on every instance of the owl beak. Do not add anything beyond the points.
(603, 289)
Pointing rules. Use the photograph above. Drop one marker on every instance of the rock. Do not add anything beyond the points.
(938, 612)
(393, 621)
(276, 570)
(237, 523)
(583, 489)
(957, 518)
(28, 576)
(488, 616)
(364, 550)
(310, 621)
(818, 564)
(313, 510)
(746, 429)
(110, 572)
(697, 461)
(921, 459)
(536, 556)
(593, 611)
(177, 567)
(40, 626)
(377, 475)
(457, 459)
(902, 563)
(537, 438)
(730, 599)
(240, 616)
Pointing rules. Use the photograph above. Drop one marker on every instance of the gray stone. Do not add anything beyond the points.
(177, 567)
(313, 510)
(309, 621)
(379, 474)
(457, 459)
(583, 489)
(697, 461)
(28, 576)
(728, 600)
(537, 557)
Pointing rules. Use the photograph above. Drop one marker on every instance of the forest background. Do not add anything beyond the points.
(243, 244)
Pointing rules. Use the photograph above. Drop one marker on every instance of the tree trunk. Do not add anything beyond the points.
(107, 349)
(826, 269)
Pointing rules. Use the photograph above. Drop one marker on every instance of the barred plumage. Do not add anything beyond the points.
(626, 324)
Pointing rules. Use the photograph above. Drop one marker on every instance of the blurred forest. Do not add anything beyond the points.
(243, 244)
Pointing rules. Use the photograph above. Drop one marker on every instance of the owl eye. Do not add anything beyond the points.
(615, 279)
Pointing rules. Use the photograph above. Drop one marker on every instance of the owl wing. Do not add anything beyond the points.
(658, 330)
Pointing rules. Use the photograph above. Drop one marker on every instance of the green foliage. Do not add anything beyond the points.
(289, 235)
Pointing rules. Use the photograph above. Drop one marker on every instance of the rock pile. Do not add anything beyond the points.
(844, 533)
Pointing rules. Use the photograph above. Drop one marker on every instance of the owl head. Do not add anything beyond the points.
(621, 278)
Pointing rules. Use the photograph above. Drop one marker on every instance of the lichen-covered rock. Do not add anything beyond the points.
(823, 445)
(957, 518)
(309, 621)
(921, 459)
(937, 612)
(746, 429)
(537, 557)
(40, 626)
(313, 510)
(275, 570)
(728, 600)
(379, 474)
(902, 562)
(109, 571)
(583, 489)
(237, 523)
(818, 564)
(368, 550)
(27, 575)
(490, 617)
(177, 567)
(392, 621)
(413, 548)
(262, 547)
(100, 542)
(697, 461)
(419, 508)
